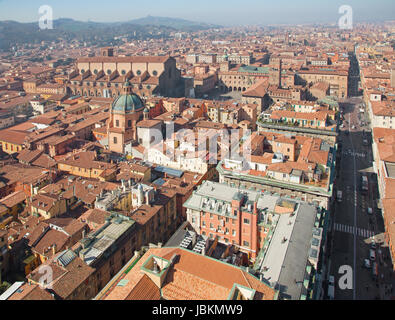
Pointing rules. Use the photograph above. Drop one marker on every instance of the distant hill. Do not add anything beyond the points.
(175, 23)
(94, 33)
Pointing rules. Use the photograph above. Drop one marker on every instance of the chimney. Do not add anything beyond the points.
(54, 249)
(147, 200)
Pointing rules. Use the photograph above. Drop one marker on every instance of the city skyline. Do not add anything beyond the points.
(252, 12)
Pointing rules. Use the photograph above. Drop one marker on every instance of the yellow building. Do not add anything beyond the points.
(10, 207)
(12, 141)
(84, 165)
(48, 206)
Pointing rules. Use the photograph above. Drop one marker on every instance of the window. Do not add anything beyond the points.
(203, 223)
(129, 123)
(123, 72)
(155, 73)
(246, 221)
(138, 72)
(108, 71)
(117, 123)
(246, 243)
(115, 140)
(95, 72)
(234, 233)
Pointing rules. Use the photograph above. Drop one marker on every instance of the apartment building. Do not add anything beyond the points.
(177, 274)
(337, 79)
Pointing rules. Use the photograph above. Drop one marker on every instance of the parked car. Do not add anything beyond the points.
(372, 255)
(331, 288)
(367, 264)
(369, 211)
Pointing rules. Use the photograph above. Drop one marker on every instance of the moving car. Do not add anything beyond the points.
(339, 196)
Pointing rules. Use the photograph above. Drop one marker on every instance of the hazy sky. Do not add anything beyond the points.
(224, 12)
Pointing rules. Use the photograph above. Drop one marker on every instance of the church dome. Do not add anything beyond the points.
(128, 101)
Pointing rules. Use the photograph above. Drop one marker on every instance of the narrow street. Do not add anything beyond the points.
(354, 228)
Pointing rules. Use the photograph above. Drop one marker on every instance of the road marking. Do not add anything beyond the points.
(353, 230)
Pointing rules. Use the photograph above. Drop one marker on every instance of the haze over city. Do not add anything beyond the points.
(231, 12)
(197, 151)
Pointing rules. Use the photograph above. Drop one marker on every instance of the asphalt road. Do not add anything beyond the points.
(353, 229)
